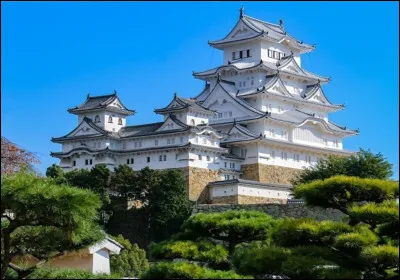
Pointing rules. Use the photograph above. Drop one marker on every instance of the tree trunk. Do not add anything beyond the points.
(231, 247)
(7, 257)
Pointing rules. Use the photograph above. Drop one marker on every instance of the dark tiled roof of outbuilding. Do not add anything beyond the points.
(101, 102)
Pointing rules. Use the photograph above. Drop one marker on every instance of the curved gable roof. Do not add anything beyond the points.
(89, 122)
(101, 102)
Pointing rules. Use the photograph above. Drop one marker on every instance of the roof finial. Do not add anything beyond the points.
(281, 22)
(218, 77)
(241, 11)
(234, 121)
(175, 94)
(88, 95)
(115, 92)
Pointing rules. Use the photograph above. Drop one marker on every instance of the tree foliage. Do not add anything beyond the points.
(234, 227)
(131, 262)
(61, 273)
(42, 219)
(14, 158)
(182, 270)
(363, 164)
(369, 242)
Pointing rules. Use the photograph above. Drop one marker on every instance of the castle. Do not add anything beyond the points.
(260, 119)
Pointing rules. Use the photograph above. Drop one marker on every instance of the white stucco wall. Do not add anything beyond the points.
(241, 189)
(101, 262)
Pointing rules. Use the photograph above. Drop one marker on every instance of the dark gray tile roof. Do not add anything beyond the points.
(121, 151)
(270, 31)
(244, 65)
(179, 103)
(101, 102)
(101, 132)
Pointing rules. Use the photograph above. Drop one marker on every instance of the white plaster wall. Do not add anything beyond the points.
(198, 118)
(240, 189)
(255, 51)
(101, 262)
(265, 46)
(114, 126)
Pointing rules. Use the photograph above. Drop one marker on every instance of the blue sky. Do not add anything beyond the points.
(54, 54)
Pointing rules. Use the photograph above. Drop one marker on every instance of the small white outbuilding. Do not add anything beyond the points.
(95, 259)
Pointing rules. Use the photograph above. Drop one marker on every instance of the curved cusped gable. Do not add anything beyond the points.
(209, 130)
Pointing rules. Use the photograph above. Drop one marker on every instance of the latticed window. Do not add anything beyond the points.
(97, 119)
(120, 121)
(110, 119)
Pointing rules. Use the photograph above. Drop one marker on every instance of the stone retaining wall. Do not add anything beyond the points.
(245, 199)
(268, 173)
(276, 210)
(197, 180)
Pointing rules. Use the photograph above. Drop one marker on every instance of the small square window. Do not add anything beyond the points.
(241, 54)
(165, 157)
(225, 164)
(91, 162)
(248, 53)
(127, 161)
(200, 157)
(208, 158)
(148, 159)
(156, 142)
(233, 55)
(86, 162)
(132, 161)
(74, 163)
(160, 158)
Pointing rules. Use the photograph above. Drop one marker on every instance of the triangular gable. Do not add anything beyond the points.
(85, 128)
(317, 95)
(278, 87)
(237, 133)
(220, 99)
(291, 66)
(116, 103)
(170, 124)
(241, 29)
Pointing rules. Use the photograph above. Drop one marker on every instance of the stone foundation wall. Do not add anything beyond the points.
(233, 199)
(197, 180)
(268, 173)
(245, 199)
(276, 210)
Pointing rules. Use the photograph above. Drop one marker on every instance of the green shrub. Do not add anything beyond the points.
(257, 260)
(339, 191)
(376, 213)
(201, 250)
(352, 243)
(291, 232)
(384, 255)
(131, 262)
(182, 270)
(299, 267)
(59, 273)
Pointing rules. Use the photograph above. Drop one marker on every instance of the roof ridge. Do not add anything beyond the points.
(99, 96)
(143, 124)
(266, 22)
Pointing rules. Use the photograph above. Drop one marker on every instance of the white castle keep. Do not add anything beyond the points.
(260, 118)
